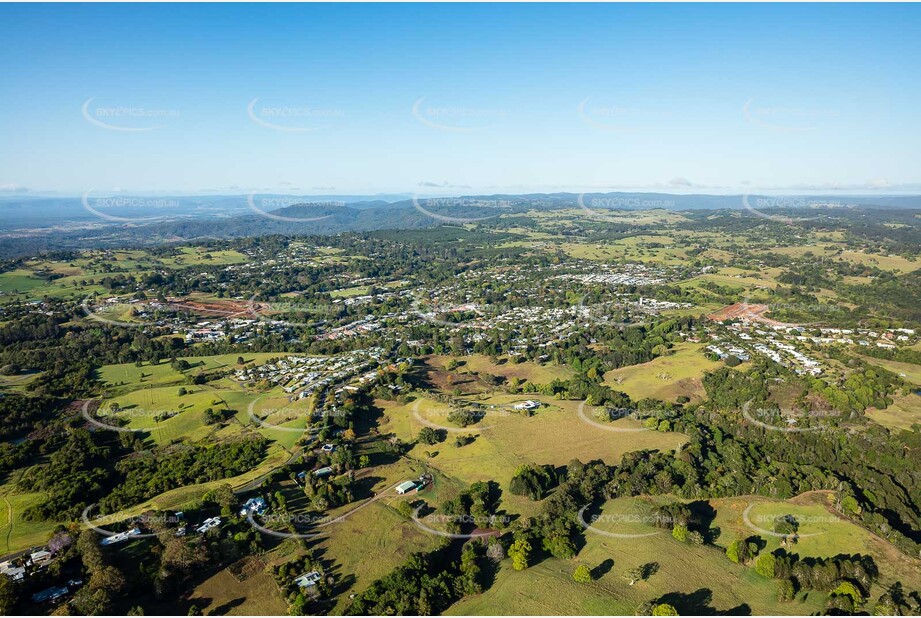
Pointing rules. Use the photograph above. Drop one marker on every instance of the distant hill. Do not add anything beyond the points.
(32, 224)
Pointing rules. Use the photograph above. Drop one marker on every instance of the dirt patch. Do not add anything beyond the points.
(746, 311)
(224, 308)
(448, 381)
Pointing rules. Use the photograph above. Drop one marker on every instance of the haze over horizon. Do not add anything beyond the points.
(321, 99)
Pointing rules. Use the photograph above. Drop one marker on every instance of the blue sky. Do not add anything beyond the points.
(459, 98)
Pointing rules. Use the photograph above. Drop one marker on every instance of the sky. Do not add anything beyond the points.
(447, 98)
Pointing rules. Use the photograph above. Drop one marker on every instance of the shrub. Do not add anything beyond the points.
(664, 609)
(765, 565)
(582, 574)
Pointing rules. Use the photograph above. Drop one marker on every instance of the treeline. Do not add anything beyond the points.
(181, 465)
(91, 468)
(426, 584)
(20, 415)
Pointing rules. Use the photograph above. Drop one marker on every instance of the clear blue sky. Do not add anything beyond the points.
(507, 98)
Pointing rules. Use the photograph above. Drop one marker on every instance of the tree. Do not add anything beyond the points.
(765, 565)
(8, 596)
(848, 589)
(92, 603)
(494, 550)
(786, 591)
(893, 602)
(405, 509)
(786, 524)
(183, 555)
(582, 574)
(520, 553)
(737, 551)
(642, 572)
(680, 532)
(110, 579)
(531, 481)
(224, 497)
(636, 574)
(88, 547)
(429, 436)
(664, 609)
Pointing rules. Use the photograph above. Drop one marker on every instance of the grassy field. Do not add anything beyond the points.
(909, 371)
(198, 256)
(903, 413)
(739, 281)
(665, 377)
(17, 533)
(698, 579)
(20, 280)
(636, 249)
(186, 413)
(370, 538)
(17, 383)
(554, 435)
(224, 595)
(279, 417)
(374, 540)
(27, 281)
(144, 393)
(905, 410)
(884, 262)
(532, 372)
(360, 290)
(831, 534)
(127, 377)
